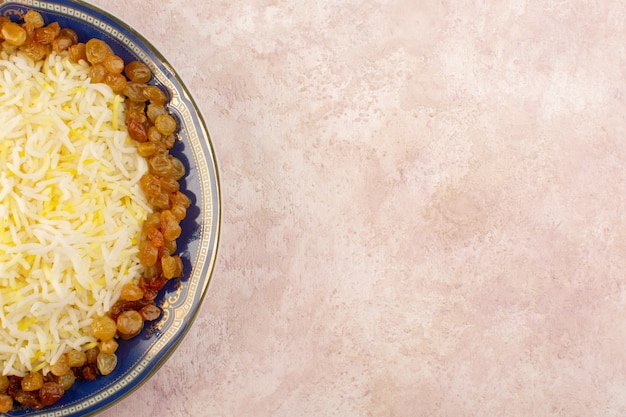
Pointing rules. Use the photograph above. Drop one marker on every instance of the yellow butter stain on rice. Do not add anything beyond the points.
(67, 155)
(75, 134)
(26, 322)
(48, 87)
(98, 218)
(30, 261)
(116, 109)
(69, 208)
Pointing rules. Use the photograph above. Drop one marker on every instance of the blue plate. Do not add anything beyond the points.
(140, 357)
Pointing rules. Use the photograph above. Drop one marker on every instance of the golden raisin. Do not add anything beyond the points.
(134, 91)
(97, 51)
(172, 266)
(61, 44)
(166, 124)
(151, 185)
(159, 164)
(168, 141)
(129, 324)
(150, 312)
(103, 328)
(154, 94)
(47, 34)
(170, 247)
(34, 18)
(114, 64)
(117, 82)
(178, 169)
(66, 381)
(147, 149)
(106, 363)
(137, 72)
(161, 201)
(179, 266)
(61, 366)
(148, 254)
(76, 358)
(138, 115)
(32, 381)
(131, 291)
(35, 50)
(155, 110)
(178, 211)
(136, 110)
(154, 219)
(78, 52)
(156, 238)
(180, 198)
(6, 403)
(30, 30)
(13, 34)
(4, 383)
(169, 184)
(108, 347)
(97, 73)
(169, 226)
(155, 136)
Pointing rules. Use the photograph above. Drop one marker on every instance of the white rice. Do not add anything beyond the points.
(70, 208)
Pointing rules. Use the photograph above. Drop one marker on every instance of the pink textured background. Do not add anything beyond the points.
(424, 208)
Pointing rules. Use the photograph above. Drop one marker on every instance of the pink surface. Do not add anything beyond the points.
(424, 208)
